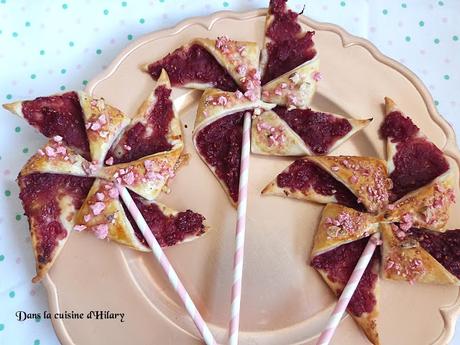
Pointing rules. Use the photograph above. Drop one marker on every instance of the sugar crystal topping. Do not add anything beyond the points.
(404, 266)
(294, 90)
(55, 149)
(345, 224)
(236, 54)
(90, 168)
(274, 135)
(438, 203)
(377, 190)
(156, 171)
(98, 203)
(98, 124)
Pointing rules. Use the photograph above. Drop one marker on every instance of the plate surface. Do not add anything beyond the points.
(284, 300)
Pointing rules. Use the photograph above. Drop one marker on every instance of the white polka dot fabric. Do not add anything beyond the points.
(52, 46)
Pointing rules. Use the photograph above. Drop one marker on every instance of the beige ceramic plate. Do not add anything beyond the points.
(284, 300)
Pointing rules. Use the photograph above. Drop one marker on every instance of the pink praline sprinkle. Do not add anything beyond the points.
(50, 152)
(109, 161)
(96, 126)
(129, 178)
(113, 193)
(79, 227)
(317, 76)
(102, 119)
(101, 231)
(97, 208)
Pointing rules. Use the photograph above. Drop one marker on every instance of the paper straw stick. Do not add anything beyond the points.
(240, 233)
(167, 267)
(349, 290)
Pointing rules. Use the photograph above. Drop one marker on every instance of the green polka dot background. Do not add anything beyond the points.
(40, 56)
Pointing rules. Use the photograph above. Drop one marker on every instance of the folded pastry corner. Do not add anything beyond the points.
(153, 129)
(14, 108)
(299, 132)
(55, 182)
(366, 177)
(102, 213)
(426, 207)
(420, 256)
(295, 88)
(348, 180)
(413, 160)
(204, 63)
(270, 135)
(286, 43)
(103, 124)
(289, 62)
(56, 157)
(50, 202)
(340, 225)
(305, 180)
(57, 115)
(147, 176)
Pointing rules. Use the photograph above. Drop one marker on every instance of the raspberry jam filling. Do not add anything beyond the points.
(193, 65)
(340, 262)
(318, 130)
(417, 161)
(397, 127)
(145, 139)
(303, 175)
(168, 230)
(444, 247)
(220, 145)
(40, 195)
(289, 47)
(59, 115)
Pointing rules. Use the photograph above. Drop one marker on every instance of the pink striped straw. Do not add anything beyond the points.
(349, 290)
(240, 233)
(167, 267)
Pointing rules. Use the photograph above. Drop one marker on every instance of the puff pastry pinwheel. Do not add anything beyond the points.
(231, 71)
(416, 247)
(70, 183)
(362, 200)
(297, 132)
(412, 254)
